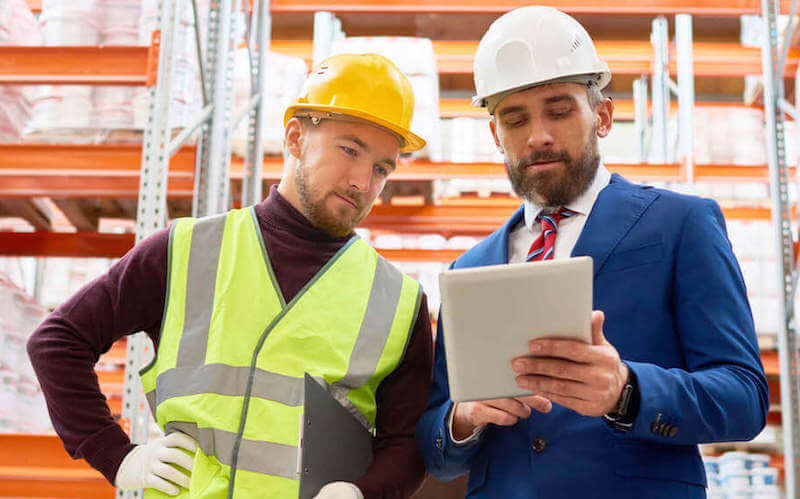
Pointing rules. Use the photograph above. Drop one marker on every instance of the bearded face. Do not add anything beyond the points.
(554, 186)
(334, 211)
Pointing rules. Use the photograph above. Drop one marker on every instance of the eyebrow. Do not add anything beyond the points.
(550, 100)
(389, 163)
(559, 98)
(360, 143)
(509, 110)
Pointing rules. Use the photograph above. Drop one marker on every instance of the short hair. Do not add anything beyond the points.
(594, 94)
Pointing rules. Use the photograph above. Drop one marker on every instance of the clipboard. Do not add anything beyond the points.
(490, 314)
(334, 445)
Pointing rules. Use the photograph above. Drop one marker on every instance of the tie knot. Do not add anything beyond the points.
(554, 218)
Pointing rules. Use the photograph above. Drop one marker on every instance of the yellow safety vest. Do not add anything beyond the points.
(230, 365)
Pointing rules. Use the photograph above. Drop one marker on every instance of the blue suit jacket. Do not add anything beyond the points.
(676, 310)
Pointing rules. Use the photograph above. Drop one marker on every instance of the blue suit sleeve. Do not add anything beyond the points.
(443, 458)
(722, 394)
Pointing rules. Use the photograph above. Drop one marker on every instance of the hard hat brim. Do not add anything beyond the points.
(411, 142)
(603, 78)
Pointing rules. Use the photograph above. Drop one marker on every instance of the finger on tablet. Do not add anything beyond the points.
(537, 403)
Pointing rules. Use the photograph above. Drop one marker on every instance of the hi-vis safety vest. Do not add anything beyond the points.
(231, 361)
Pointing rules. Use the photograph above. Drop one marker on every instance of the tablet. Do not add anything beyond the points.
(490, 314)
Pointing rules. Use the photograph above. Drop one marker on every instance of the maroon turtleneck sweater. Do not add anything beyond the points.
(130, 298)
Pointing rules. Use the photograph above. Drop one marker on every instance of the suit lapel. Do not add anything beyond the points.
(497, 253)
(617, 209)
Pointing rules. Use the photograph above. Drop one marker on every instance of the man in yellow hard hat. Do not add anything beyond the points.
(242, 305)
(673, 359)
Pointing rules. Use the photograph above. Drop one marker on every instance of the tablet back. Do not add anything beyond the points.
(490, 314)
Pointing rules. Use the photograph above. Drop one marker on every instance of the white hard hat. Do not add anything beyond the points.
(532, 46)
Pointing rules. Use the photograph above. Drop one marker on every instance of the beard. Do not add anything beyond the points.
(336, 223)
(555, 187)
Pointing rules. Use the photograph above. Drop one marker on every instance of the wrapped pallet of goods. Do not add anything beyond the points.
(64, 113)
(119, 25)
(18, 26)
(22, 407)
(285, 76)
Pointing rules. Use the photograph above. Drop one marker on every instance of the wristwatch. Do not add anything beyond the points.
(628, 407)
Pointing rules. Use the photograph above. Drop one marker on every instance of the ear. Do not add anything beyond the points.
(493, 128)
(605, 117)
(293, 136)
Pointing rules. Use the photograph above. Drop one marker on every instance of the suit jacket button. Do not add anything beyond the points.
(539, 445)
(438, 443)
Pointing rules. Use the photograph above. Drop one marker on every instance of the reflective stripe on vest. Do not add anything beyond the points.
(202, 385)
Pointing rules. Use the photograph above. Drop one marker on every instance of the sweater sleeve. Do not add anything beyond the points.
(64, 349)
(397, 469)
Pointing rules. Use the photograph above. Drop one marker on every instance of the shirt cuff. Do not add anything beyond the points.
(476, 433)
(105, 450)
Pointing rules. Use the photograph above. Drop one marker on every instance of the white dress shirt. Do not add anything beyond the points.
(525, 233)
(569, 229)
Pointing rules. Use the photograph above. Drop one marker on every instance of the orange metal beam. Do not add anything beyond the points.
(611, 7)
(102, 171)
(117, 353)
(624, 110)
(90, 244)
(630, 57)
(38, 466)
(112, 171)
(73, 65)
(65, 244)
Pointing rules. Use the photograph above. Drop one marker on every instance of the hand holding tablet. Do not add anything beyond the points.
(491, 314)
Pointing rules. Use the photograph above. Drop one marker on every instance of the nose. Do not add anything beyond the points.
(540, 136)
(360, 177)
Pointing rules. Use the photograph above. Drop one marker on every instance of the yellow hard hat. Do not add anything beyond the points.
(365, 86)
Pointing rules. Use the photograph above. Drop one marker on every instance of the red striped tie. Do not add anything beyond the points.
(542, 247)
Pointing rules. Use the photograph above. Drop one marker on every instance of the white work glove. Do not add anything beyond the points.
(149, 466)
(339, 490)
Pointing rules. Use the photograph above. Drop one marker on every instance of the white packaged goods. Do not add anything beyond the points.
(15, 111)
(731, 463)
(119, 21)
(18, 26)
(113, 107)
(740, 481)
(119, 25)
(22, 407)
(62, 106)
(467, 140)
(731, 135)
(284, 80)
(415, 58)
(68, 22)
(763, 477)
(766, 492)
(741, 474)
(757, 461)
(63, 277)
(186, 89)
(711, 464)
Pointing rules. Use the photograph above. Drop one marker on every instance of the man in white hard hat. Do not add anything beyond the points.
(673, 361)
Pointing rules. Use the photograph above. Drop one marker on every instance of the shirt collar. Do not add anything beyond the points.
(582, 204)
